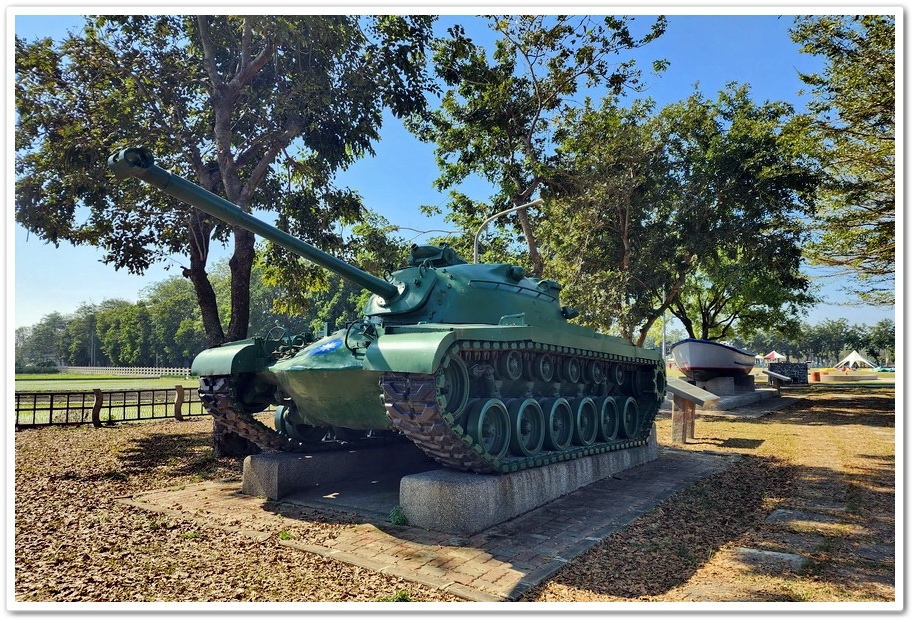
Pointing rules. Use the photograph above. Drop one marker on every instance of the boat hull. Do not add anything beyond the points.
(702, 360)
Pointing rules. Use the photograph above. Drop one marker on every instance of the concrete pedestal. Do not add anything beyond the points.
(745, 383)
(430, 496)
(461, 503)
(276, 475)
(720, 385)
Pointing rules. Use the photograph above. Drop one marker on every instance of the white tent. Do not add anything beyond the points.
(854, 360)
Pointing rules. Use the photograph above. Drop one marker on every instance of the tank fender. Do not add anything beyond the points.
(419, 352)
(231, 358)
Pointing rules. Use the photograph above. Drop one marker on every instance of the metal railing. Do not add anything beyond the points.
(101, 408)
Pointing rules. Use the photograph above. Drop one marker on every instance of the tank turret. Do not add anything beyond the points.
(476, 364)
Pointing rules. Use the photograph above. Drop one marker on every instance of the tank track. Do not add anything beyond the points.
(420, 405)
(217, 394)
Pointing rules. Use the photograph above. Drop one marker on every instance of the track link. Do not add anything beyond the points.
(416, 403)
(217, 393)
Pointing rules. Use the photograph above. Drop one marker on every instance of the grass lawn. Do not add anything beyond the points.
(88, 382)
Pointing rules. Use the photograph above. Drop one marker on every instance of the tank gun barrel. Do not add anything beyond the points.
(138, 162)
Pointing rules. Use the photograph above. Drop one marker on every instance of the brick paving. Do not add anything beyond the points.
(497, 564)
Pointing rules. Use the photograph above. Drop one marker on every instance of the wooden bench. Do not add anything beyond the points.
(777, 380)
(685, 398)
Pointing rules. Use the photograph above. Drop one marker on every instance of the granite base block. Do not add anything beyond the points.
(462, 503)
(278, 474)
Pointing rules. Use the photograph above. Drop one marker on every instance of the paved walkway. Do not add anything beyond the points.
(497, 564)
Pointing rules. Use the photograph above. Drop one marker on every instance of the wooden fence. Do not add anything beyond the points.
(101, 408)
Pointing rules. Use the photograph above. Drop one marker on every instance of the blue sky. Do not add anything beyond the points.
(707, 50)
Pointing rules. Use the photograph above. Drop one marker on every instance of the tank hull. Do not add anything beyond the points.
(479, 398)
(330, 386)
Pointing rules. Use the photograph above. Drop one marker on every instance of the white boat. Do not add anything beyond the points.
(704, 359)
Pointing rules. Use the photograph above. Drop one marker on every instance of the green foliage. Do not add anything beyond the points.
(664, 210)
(397, 516)
(399, 595)
(302, 288)
(854, 120)
(740, 186)
(497, 116)
(44, 344)
(176, 332)
(880, 341)
(750, 290)
(605, 228)
(262, 110)
(124, 332)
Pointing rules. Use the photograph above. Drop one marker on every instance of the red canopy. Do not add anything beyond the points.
(773, 355)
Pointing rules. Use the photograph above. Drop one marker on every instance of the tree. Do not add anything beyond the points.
(123, 329)
(83, 348)
(262, 110)
(608, 233)
(661, 211)
(46, 341)
(176, 334)
(742, 187)
(749, 289)
(20, 342)
(304, 290)
(835, 338)
(854, 117)
(882, 341)
(496, 119)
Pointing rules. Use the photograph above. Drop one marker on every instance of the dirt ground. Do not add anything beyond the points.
(806, 514)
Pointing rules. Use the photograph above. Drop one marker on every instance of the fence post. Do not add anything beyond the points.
(179, 400)
(97, 408)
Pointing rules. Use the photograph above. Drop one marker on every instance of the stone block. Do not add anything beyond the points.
(720, 385)
(462, 503)
(745, 383)
(276, 475)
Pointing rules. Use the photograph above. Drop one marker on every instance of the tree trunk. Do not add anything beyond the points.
(199, 231)
(225, 442)
(537, 264)
(240, 266)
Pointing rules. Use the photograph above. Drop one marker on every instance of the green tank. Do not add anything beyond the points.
(476, 364)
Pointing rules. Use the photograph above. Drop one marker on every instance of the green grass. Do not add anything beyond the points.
(399, 595)
(88, 382)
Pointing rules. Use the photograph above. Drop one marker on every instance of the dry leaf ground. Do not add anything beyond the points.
(827, 463)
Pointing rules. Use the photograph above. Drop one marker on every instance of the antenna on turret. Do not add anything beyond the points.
(536, 202)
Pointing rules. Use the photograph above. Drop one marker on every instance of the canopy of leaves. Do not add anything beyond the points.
(854, 107)
(607, 232)
(302, 288)
(654, 207)
(495, 119)
(263, 110)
